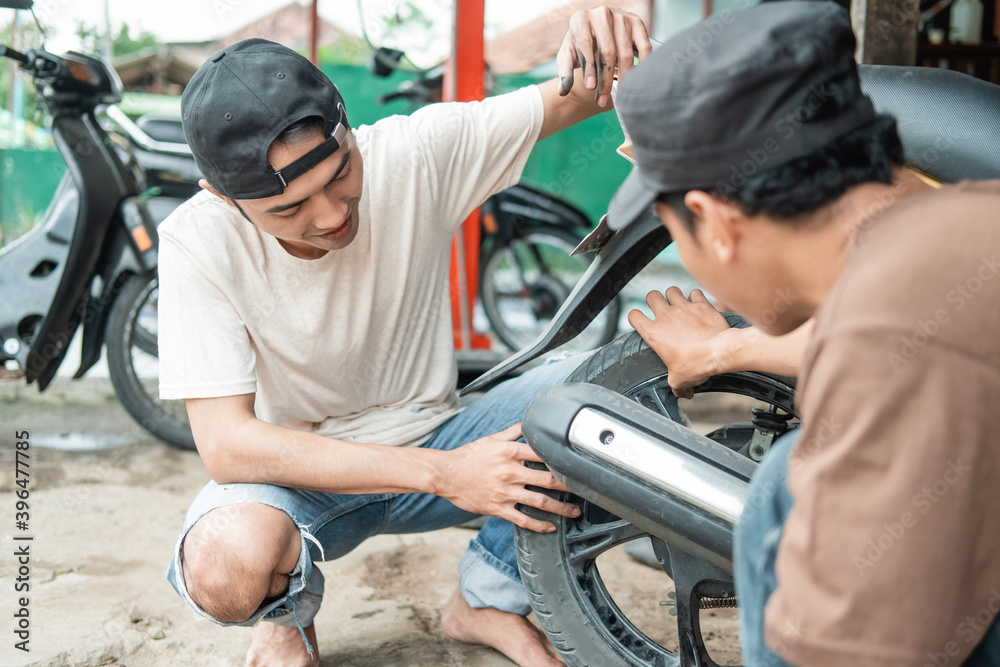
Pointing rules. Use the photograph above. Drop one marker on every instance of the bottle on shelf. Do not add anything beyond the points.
(966, 22)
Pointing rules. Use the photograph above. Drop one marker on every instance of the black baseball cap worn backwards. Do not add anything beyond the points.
(238, 103)
(740, 93)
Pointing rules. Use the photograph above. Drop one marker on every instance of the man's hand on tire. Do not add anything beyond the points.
(489, 477)
(687, 335)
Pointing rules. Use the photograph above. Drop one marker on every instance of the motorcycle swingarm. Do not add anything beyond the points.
(661, 476)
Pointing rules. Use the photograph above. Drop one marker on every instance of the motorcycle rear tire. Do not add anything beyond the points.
(586, 631)
(122, 334)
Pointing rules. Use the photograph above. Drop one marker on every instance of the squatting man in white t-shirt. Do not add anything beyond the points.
(304, 317)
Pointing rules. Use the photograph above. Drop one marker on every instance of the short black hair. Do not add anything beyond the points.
(301, 131)
(791, 192)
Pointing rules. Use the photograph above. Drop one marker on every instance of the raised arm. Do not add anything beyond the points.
(598, 40)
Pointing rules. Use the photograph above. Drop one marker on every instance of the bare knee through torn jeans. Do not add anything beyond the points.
(331, 524)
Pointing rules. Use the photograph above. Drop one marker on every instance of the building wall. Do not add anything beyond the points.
(289, 26)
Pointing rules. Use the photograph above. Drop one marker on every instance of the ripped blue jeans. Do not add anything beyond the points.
(331, 525)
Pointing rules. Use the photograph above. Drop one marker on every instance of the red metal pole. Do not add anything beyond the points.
(464, 83)
(706, 8)
(314, 33)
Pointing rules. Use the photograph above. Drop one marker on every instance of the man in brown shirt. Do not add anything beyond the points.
(786, 197)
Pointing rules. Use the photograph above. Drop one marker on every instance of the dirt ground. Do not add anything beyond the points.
(106, 504)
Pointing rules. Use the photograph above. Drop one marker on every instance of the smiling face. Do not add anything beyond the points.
(318, 211)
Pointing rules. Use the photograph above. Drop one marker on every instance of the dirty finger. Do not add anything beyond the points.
(566, 62)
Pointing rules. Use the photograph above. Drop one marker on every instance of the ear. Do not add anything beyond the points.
(717, 226)
(205, 185)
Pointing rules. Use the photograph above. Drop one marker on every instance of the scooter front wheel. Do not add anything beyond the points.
(134, 365)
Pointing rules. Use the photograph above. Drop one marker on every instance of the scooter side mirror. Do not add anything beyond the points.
(16, 4)
(383, 62)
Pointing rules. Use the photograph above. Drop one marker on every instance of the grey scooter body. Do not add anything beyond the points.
(67, 270)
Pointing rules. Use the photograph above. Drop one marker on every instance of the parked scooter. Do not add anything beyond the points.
(83, 262)
(615, 434)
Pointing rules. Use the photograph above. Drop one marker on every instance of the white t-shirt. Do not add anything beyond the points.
(357, 344)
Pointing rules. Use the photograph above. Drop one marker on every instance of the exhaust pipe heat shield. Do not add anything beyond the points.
(680, 486)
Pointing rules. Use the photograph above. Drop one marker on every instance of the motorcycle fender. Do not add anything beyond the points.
(539, 207)
(622, 257)
(629, 494)
(131, 250)
(95, 173)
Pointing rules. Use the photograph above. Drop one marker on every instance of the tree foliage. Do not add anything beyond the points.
(122, 43)
(29, 36)
(345, 50)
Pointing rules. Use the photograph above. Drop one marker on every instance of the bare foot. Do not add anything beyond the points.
(280, 646)
(508, 633)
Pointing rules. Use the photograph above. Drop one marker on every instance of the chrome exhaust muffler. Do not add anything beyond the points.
(670, 481)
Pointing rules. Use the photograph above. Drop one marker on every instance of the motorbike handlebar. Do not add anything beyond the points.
(7, 52)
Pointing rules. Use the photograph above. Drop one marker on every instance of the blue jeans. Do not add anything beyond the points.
(331, 525)
(755, 548)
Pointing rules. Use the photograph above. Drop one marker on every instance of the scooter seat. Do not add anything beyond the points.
(949, 122)
(162, 128)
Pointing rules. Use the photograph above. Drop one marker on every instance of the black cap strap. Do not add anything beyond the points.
(308, 161)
